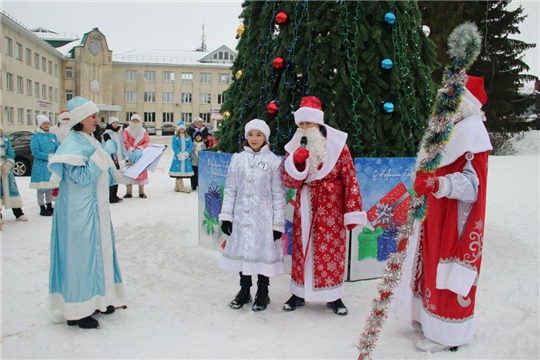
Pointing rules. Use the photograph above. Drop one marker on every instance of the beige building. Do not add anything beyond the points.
(163, 86)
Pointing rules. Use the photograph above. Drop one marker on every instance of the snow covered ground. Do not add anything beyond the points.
(178, 297)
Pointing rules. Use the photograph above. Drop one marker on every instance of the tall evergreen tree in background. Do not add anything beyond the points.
(500, 62)
(372, 74)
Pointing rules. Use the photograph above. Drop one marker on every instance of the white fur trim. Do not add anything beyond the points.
(468, 135)
(81, 112)
(307, 114)
(225, 217)
(355, 217)
(456, 278)
(293, 171)
(63, 116)
(444, 187)
(469, 96)
(135, 117)
(44, 184)
(257, 124)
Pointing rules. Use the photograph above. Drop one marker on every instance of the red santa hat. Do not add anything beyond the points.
(474, 91)
(63, 115)
(310, 111)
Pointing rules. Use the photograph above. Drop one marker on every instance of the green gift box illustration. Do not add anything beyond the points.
(367, 243)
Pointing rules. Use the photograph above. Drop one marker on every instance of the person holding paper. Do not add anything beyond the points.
(136, 138)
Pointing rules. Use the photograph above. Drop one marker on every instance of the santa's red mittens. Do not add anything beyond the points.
(300, 156)
(425, 183)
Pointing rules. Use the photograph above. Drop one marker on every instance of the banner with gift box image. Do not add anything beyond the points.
(385, 185)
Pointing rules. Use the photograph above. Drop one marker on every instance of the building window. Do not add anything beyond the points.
(150, 117)
(224, 78)
(131, 75)
(69, 72)
(43, 64)
(8, 46)
(220, 98)
(221, 55)
(36, 60)
(131, 96)
(20, 115)
(9, 81)
(29, 117)
(168, 117)
(44, 91)
(187, 77)
(186, 98)
(205, 116)
(28, 87)
(28, 57)
(129, 114)
(69, 95)
(168, 76)
(206, 78)
(186, 117)
(37, 114)
(20, 84)
(204, 98)
(18, 51)
(149, 96)
(56, 70)
(56, 95)
(50, 93)
(9, 114)
(50, 67)
(150, 76)
(168, 97)
(36, 89)
(226, 57)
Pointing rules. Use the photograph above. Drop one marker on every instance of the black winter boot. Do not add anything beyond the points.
(50, 209)
(85, 323)
(243, 297)
(44, 211)
(261, 299)
(293, 302)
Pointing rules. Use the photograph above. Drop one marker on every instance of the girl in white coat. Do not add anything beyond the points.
(253, 216)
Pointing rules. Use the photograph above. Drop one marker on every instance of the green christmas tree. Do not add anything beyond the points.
(367, 61)
(501, 58)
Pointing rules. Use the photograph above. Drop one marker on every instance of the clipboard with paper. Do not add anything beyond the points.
(148, 161)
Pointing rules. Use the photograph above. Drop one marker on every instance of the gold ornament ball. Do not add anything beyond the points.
(240, 30)
(238, 74)
(226, 114)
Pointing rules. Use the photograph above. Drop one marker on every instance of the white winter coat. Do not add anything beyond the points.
(254, 201)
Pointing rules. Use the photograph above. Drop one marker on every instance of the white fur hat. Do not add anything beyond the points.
(258, 124)
(136, 117)
(79, 109)
(41, 119)
(113, 119)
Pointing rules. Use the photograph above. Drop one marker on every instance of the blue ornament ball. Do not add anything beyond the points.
(388, 107)
(387, 64)
(390, 18)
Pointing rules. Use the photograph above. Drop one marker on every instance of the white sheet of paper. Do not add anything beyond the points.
(148, 161)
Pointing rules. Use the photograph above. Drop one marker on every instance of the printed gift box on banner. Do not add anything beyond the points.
(391, 211)
(367, 243)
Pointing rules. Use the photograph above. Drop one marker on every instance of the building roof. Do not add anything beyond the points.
(165, 57)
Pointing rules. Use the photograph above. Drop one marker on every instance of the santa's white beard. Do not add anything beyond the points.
(64, 129)
(316, 145)
(135, 129)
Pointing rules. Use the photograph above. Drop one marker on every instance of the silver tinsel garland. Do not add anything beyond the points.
(464, 47)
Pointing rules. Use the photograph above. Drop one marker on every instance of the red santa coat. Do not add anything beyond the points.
(324, 206)
(132, 143)
(438, 286)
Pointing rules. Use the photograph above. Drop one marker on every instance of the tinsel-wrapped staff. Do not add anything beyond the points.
(445, 223)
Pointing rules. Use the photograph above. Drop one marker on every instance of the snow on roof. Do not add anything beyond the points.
(66, 49)
(161, 56)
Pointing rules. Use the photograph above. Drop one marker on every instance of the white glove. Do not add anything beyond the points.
(181, 157)
(6, 168)
(186, 154)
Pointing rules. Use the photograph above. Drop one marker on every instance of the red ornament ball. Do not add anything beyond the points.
(279, 63)
(272, 108)
(281, 18)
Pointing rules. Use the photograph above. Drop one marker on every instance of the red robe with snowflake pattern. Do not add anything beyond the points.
(319, 234)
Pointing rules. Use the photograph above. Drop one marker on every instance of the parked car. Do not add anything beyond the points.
(167, 129)
(151, 129)
(20, 140)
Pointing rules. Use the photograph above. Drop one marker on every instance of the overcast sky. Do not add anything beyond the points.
(177, 25)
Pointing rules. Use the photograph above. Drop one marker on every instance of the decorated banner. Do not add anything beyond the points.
(384, 183)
